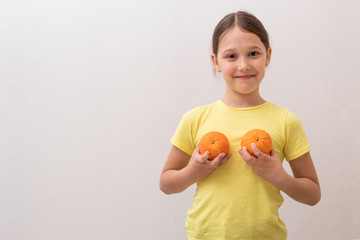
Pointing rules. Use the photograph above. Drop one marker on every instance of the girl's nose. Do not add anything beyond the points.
(243, 65)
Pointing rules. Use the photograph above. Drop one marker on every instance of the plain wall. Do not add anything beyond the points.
(92, 91)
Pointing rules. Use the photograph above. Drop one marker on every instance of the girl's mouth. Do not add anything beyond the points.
(244, 77)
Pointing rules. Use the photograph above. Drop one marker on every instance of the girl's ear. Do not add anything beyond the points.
(215, 63)
(268, 57)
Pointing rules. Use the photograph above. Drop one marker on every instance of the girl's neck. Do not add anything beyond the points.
(237, 100)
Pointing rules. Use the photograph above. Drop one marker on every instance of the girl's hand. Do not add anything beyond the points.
(200, 166)
(265, 166)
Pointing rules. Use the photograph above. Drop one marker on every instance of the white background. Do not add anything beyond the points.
(92, 91)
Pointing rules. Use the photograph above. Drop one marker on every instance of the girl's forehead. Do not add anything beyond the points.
(239, 38)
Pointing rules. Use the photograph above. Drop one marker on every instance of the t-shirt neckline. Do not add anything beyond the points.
(221, 103)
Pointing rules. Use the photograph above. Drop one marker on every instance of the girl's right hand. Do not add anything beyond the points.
(200, 166)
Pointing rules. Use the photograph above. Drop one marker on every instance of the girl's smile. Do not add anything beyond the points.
(244, 77)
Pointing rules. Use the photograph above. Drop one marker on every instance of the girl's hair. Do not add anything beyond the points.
(243, 20)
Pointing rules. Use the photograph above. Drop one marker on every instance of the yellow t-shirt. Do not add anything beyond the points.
(233, 202)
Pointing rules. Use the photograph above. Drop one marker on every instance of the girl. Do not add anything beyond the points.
(238, 195)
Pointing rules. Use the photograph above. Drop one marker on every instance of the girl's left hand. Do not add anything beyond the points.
(268, 167)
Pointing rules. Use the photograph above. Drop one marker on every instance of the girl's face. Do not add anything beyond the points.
(242, 59)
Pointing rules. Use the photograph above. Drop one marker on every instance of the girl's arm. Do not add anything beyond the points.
(174, 177)
(182, 170)
(303, 186)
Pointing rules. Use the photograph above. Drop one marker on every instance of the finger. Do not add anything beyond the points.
(256, 150)
(246, 156)
(200, 158)
(272, 152)
(225, 159)
(203, 158)
(196, 150)
(216, 161)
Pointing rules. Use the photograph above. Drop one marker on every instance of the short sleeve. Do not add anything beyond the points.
(184, 135)
(296, 142)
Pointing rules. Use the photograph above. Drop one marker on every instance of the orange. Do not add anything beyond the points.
(258, 136)
(215, 143)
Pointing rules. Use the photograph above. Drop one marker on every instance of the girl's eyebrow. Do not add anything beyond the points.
(229, 50)
(256, 47)
(234, 49)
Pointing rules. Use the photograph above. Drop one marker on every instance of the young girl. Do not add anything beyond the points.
(238, 195)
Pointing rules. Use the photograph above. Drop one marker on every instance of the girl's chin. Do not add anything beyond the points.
(246, 91)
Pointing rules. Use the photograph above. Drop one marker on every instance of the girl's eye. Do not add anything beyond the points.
(231, 56)
(253, 54)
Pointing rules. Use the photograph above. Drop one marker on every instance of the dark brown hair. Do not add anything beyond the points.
(241, 19)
